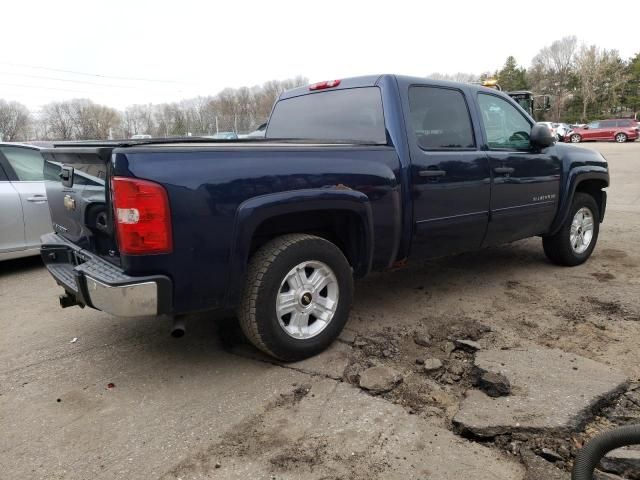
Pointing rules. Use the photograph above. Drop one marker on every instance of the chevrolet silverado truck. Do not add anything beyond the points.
(352, 176)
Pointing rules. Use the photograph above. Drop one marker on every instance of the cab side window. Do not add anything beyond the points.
(440, 118)
(27, 164)
(504, 126)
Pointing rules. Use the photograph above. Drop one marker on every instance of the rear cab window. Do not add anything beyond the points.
(440, 118)
(352, 114)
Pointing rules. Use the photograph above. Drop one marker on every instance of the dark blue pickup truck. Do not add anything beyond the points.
(354, 175)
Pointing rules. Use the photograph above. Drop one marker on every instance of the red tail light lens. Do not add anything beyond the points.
(324, 85)
(142, 216)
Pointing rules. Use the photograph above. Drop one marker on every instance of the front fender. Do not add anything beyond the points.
(254, 211)
(573, 179)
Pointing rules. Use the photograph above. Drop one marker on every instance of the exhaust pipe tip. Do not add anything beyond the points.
(178, 328)
(67, 300)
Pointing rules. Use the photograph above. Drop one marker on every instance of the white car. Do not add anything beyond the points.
(24, 212)
(562, 129)
(551, 127)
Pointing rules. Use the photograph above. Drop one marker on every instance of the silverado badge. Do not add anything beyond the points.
(69, 202)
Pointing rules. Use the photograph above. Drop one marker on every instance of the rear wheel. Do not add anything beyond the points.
(297, 296)
(576, 239)
(621, 138)
(575, 138)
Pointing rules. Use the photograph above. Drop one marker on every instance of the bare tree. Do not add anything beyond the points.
(456, 77)
(57, 121)
(79, 119)
(15, 121)
(553, 67)
(138, 119)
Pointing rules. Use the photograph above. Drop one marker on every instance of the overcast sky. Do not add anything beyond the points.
(169, 50)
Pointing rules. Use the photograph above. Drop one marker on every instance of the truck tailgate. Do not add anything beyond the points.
(77, 185)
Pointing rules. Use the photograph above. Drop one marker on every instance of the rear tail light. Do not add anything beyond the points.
(324, 85)
(142, 216)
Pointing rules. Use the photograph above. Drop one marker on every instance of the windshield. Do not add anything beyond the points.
(353, 114)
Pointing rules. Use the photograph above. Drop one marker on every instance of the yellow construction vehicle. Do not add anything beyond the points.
(530, 102)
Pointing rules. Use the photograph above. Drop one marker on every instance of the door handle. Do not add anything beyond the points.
(504, 169)
(432, 173)
(37, 199)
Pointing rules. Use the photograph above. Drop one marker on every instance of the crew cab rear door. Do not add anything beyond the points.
(525, 182)
(450, 178)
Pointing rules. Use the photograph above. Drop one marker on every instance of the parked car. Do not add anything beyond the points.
(562, 129)
(225, 136)
(258, 132)
(140, 136)
(24, 213)
(618, 130)
(354, 175)
(551, 127)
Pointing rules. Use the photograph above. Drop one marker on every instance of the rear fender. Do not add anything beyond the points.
(253, 212)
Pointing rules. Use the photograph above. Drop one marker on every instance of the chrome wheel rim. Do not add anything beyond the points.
(620, 138)
(575, 138)
(307, 299)
(581, 232)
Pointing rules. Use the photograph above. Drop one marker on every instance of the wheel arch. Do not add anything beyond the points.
(582, 180)
(340, 215)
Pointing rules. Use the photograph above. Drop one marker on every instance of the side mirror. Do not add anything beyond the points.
(586, 127)
(541, 136)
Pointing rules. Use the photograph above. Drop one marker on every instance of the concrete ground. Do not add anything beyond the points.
(125, 400)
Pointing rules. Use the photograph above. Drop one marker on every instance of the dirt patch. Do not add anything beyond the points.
(603, 276)
(249, 439)
(436, 372)
(437, 394)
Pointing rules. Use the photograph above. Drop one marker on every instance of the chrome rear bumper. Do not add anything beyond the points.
(96, 283)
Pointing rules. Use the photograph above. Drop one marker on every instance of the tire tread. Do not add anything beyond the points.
(258, 266)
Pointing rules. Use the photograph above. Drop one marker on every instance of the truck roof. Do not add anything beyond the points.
(372, 80)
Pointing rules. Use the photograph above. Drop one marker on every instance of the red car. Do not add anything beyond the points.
(619, 130)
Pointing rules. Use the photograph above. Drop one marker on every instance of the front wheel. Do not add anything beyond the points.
(297, 296)
(576, 239)
(621, 138)
(575, 138)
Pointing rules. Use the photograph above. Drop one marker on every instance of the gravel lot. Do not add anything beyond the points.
(127, 401)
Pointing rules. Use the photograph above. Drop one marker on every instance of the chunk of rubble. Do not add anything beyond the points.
(432, 364)
(540, 469)
(624, 462)
(492, 383)
(548, 394)
(467, 345)
(422, 339)
(599, 475)
(380, 379)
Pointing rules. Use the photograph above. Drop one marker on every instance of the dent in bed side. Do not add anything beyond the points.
(255, 211)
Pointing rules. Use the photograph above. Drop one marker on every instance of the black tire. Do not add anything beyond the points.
(575, 138)
(558, 247)
(267, 269)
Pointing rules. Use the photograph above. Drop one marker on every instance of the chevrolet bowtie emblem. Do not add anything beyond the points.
(69, 203)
